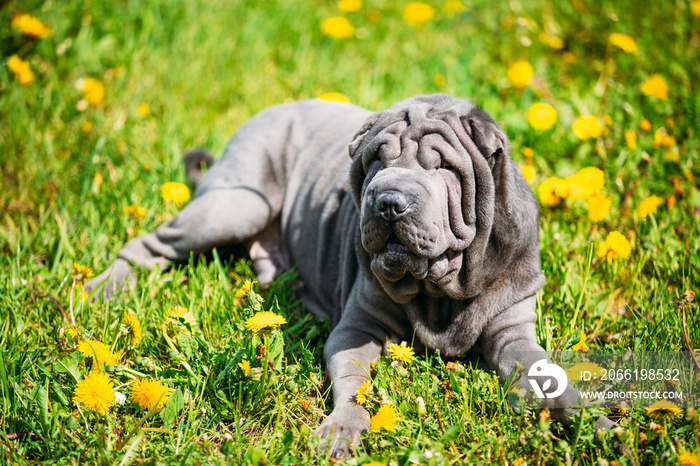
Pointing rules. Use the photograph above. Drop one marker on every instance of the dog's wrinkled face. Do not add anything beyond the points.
(411, 220)
(416, 184)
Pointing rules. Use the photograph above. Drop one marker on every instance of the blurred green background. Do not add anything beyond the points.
(97, 108)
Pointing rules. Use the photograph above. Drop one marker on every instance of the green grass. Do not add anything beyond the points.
(204, 67)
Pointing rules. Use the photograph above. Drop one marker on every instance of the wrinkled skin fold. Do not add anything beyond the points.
(426, 233)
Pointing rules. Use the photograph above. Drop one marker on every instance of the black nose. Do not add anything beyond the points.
(391, 205)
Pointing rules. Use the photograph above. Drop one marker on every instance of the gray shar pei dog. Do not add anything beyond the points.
(427, 233)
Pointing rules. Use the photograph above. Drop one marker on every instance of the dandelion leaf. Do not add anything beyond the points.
(69, 365)
(277, 349)
(451, 433)
(175, 403)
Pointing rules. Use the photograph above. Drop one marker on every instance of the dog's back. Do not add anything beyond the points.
(295, 156)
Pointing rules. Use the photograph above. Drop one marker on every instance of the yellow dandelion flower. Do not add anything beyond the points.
(671, 156)
(86, 127)
(350, 6)
(144, 108)
(21, 69)
(305, 405)
(100, 354)
(648, 206)
(94, 91)
(663, 139)
(655, 86)
(553, 42)
(336, 97)
(73, 331)
(527, 152)
(568, 57)
(133, 327)
(519, 461)
(374, 463)
(520, 73)
(631, 139)
(149, 393)
(576, 372)
(615, 245)
(695, 8)
(417, 13)
(581, 345)
(136, 211)
(385, 418)
(553, 190)
(663, 409)
(177, 193)
(263, 320)
(541, 116)
(624, 42)
(439, 79)
(685, 457)
(587, 126)
(80, 273)
(401, 353)
(598, 206)
(528, 172)
(181, 315)
(244, 365)
(452, 7)
(362, 391)
(245, 289)
(96, 392)
(337, 27)
(30, 26)
(585, 183)
(644, 124)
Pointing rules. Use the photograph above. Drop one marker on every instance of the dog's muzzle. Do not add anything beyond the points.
(392, 205)
(392, 258)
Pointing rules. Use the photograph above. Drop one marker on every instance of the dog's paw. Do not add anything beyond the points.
(113, 279)
(341, 430)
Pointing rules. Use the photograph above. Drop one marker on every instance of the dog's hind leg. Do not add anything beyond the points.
(238, 198)
(217, 217)
(266, 254)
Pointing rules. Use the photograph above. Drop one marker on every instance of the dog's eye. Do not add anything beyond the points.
(445, 165)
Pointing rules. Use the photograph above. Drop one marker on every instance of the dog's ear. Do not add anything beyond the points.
(506, 213)
(487, 135)
(358, 139)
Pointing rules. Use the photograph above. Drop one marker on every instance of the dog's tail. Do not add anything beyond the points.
(195, 163)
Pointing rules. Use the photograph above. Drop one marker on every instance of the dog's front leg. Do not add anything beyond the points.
(353, 345)
(509, 340)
